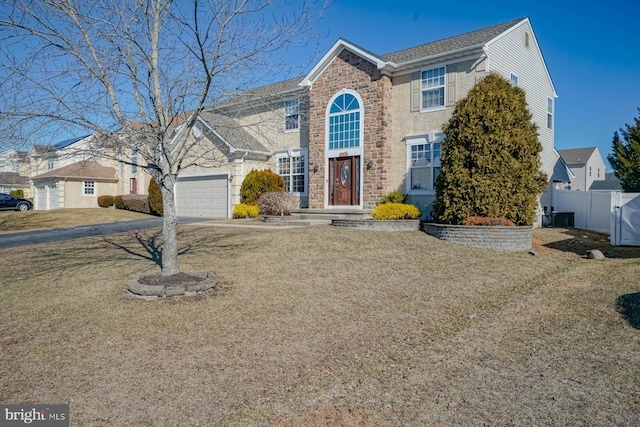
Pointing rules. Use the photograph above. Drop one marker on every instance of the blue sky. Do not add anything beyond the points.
(592, 50)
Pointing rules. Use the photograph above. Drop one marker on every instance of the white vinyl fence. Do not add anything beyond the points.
(612, 212)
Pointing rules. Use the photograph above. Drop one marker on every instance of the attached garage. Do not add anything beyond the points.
(203, 196)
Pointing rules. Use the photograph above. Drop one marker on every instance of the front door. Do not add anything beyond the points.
(344, 174)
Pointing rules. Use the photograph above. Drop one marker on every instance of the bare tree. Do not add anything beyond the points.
(140, 71)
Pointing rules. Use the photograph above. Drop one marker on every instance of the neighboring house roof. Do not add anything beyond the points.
(610, 182)
(68, 142)
(86, 169)
(231, 133)
(13, 178)
(41, 149)
(577, 155)
(561, 171)
(463, 41)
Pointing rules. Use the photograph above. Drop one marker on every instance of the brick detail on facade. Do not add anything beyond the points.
(350, 71)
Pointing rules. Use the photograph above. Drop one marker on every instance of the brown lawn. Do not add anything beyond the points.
(11, 221)
(326, 326)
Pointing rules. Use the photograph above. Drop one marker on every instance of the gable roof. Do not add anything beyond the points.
(577, 155)
(86, 169)
(459, 45)
(231, 133)
(463, 41)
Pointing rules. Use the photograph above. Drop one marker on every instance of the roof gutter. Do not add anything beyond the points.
(433, 58)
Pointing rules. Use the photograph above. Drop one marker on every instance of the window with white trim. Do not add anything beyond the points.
(292, 166)
(433, 83)
(51, 163)
(89, 188)
(134, 161)
(291, 115)
(549, 113)
(423, 163)
(344, 122)
(514, 80)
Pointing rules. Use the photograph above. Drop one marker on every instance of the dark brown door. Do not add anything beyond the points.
(344, 173)
(133, 186)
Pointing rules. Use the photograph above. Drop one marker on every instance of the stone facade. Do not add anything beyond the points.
(350, 71)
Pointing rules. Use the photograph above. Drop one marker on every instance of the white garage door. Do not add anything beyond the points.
(202, 196)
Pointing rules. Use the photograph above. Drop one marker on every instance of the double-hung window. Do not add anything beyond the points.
(433, 88)
(89, 188)
(292, 166)
(423, 163)
(134, 161)
(291, 115)
(51, 162)
(549, 113)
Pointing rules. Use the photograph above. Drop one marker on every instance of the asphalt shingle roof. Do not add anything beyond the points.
(576, 155)
(86, 169)
(232, 132)
(461, 41)
(13, 178)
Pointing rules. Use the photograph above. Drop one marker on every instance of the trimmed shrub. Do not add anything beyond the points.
(155, 198)
(117, 202)
(395, 211)
(258, 182)
(105, 201)
(136, 203)
(277, 203)
(19, 193)
(243, 210)
(394, 197)
(488, 221)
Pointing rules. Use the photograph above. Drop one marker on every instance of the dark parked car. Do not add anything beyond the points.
(10, 203)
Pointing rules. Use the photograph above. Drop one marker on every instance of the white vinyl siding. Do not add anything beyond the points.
(508, 55)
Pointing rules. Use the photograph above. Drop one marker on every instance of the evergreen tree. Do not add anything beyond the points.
(490, 157)
(625, 156)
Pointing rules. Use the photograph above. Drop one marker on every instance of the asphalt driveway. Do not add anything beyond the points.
(36, 237)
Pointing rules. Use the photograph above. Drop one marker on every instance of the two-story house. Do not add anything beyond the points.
(587, 166)
(74, 172)
(361, 124)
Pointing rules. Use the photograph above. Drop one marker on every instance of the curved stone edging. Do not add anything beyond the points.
(490, 237)
(381, 225)
(136, 289)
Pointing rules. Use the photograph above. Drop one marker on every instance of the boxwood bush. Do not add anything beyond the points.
(105, 201)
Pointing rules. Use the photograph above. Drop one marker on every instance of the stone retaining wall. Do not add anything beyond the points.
(382, 225)
(493, 237)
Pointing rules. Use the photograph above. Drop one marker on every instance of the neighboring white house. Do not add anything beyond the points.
(587, 166)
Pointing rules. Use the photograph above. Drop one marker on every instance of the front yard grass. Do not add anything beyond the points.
(11, 222)
(325, 326)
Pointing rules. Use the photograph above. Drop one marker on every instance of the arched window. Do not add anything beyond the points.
(344, 122)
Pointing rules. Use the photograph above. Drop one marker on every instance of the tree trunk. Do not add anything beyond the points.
(170, 264)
